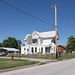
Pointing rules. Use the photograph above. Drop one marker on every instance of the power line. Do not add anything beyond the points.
(68, 26)
(65, 20)
(64, 31)
(25, 12)
(29, 14)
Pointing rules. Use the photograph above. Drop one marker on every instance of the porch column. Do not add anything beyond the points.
(43, 50)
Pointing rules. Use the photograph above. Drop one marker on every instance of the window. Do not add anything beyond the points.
(32, 50)
(54, 41)
(25, 40)
(11, 52)
(59, 47)
(27, 49)
(35, 49)
(24, 48)
(41, 49)
(35, 41)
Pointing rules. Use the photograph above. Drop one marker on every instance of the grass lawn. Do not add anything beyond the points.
(51, 58)
(40, 57)
(68, 57)
(8, 63)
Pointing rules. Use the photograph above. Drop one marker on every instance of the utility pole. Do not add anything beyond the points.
(56, 28)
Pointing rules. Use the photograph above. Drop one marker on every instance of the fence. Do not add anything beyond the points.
(43, 55)
(68, 54)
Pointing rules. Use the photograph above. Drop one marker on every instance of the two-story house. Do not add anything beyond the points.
(43, 42)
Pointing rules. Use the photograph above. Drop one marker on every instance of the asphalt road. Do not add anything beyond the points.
(66, 67)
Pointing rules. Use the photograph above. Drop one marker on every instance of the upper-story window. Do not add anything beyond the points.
(25, 40)
(33, 34)
(34, 41)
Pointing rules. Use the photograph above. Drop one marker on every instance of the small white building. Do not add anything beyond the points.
(43, 42)
(6, 51)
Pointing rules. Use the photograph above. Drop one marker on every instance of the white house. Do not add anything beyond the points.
(43, 42)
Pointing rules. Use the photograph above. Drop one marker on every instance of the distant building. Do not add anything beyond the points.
(43, 42)
(6, 51)
(62, 48)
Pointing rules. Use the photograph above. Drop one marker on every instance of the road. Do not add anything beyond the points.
(66, 67)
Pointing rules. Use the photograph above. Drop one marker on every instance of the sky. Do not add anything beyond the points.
(14, 23)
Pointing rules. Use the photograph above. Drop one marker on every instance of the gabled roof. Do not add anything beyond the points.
(47, 34)
(63, 47)
(36, 33)
(27, 36)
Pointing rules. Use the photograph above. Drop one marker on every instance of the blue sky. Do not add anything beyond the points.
(16, 24)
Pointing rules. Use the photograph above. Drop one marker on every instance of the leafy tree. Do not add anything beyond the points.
(23, 45)
(11, 42)
(0, 44)
(71, 43)
(19, 44)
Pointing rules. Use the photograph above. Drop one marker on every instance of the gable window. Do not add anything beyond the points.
(34, 40)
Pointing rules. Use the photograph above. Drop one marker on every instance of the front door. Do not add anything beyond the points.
(47, 50)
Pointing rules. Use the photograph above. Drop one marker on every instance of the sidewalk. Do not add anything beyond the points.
(32, 59)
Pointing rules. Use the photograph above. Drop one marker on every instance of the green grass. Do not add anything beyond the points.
(68, 57)
(39, 57)
(42, 63)
(50, 58)
(8, 63)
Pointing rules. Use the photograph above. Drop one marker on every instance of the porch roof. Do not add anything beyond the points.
(9, 49)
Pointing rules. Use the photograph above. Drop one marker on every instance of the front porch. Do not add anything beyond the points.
(47, 50)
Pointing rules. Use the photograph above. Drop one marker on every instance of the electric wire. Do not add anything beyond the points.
(30, 15)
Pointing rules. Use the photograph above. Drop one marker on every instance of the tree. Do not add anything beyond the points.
(0, 44)
(19, 44)
(11, 42)
(71, 43)
(23, 45)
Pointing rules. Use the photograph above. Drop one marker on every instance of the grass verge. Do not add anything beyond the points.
(8, 63)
